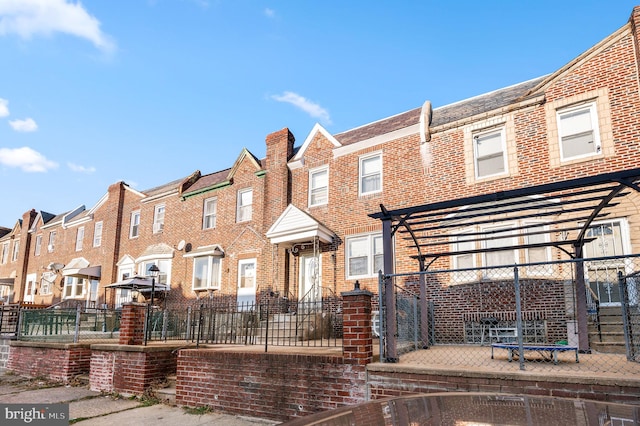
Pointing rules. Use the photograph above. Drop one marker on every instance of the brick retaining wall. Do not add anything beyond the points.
(390, 380)
(275, 386)
(56, 361)
(130, 369)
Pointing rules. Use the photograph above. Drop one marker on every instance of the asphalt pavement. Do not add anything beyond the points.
(91, 408)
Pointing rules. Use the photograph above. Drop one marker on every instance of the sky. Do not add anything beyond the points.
(149, 91)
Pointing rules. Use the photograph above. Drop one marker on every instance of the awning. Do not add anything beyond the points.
(140, 284)
(212, 250)
(7, 281)
(295, 226)
(91, 271)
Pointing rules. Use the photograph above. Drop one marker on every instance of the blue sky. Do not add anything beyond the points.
(148, 91)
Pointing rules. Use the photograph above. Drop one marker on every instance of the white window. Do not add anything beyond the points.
(206, 272)
(165, 270)
(16, 250)
(247, 274)
(52, 241)
(209, 213)
(318, 186)
(578, 131)
(537, 235)
(47, 282)
(158, 218)
(501, 236)
(79, 238)
(73, 287)
(364, 256)
(97, 234)
(461, 243)
(245, 203)
(370, 174)
(489, 153)
(36, 250)
(134, 227)
(5, 253)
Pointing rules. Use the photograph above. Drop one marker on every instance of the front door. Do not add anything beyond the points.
(30, 288)
(602, 275)
(246, 283)
(310, 279)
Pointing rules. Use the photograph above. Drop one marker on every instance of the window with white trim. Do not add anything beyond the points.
(158, 218)
(246, 274)
(46, 282)
(52, 241)
(578, 131)
(537, 235)
(134, 227)
(207, 272)
(79, 238)
(245, 204)
(165, 270)
(209, 213)
(5, 253)
(489, 153)
(16, 250)
(97, 234)
(364, 256)
(370, 174)
(464, 242)
(73, 287)
(499, 236)
(36, 250)
(318, 186)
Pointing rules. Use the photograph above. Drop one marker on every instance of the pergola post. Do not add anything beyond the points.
(390, 328)
(581, 303)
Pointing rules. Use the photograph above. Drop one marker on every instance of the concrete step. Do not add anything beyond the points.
(609, 347)
(167, 394)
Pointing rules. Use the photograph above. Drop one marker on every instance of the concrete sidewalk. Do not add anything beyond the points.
(91, 408)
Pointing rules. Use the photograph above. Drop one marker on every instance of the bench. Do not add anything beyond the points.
(548, 352)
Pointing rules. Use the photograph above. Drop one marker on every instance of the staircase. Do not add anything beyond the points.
(167, 394)
(609, 338)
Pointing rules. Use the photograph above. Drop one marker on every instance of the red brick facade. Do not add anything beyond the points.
(56, 361)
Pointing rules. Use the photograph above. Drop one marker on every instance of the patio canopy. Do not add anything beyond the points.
(7, 281)
(141, 284)
(555, 214)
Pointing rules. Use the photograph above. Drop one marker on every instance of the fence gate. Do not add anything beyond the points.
(629, 295)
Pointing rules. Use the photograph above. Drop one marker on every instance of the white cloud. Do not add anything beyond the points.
(27, 159)
(311, 108)
(81, 169)
(4, 107)
(27, 125)
(269, 13)
(27, 18)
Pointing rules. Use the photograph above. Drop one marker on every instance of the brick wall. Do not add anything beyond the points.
(389, 381)
(130, 369)
(132, 324)
(56, 361)
(275, 386)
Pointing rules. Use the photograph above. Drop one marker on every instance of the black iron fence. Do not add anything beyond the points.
(276, 323)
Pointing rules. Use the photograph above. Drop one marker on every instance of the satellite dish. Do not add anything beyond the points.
(181, 244)
(54, 266)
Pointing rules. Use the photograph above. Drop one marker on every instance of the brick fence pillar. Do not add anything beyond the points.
(357, 335)
(132, 324)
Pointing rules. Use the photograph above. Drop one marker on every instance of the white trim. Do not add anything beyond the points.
(317, 128)
(595, 128)
(365, 157)
(324, 168)
(376, 140)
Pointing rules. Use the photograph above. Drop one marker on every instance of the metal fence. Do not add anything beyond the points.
(276, 323)
(215, 321)
(68, 324)
(565, 315)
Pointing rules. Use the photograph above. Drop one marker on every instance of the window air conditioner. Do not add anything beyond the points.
(157, 227)
(50, 247)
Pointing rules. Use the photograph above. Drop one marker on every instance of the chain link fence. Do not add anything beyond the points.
(568, 315)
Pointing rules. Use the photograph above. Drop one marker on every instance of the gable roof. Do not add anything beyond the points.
(295, 226)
